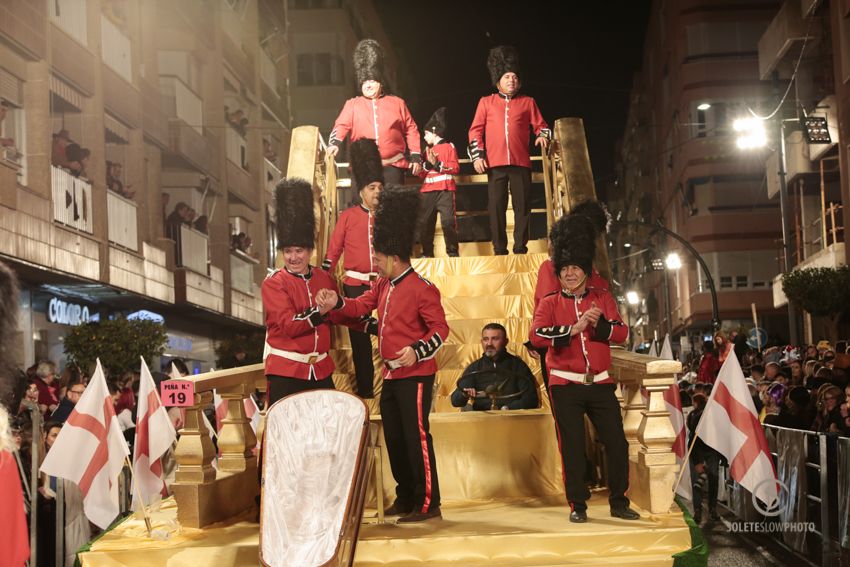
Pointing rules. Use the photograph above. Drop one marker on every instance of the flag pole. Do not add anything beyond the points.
(686, 462)
(139, 495)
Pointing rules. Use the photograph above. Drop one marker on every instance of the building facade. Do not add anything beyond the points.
(141, 141)
(680, 165)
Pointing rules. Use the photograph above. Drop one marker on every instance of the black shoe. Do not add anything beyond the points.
(454, 255)
(418, 516)
(500, 253)
(625, 513)
(578, 516)
(398, 510)
(521, 251)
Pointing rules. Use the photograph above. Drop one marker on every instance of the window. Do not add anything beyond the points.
(13, 139)
(741, 282)
(711, 39)
(725, 282)
(320, 69)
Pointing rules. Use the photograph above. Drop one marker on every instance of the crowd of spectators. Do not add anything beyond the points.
(183, 214)
(795, 387)
(69, 155)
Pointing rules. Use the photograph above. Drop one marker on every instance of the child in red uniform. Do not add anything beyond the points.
(438, 190)
(576, 324)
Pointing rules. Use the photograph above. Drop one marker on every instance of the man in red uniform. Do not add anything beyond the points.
(381, 117)
(438, 190)
(352, 237)
(576, 324)
(297, 338)
(498, 145)
(411, 329)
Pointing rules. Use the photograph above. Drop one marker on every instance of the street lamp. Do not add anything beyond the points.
(753, 135)
(632, 297)
(704, 106)
(673, 261)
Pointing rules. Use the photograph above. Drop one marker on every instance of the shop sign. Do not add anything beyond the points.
(66, 313)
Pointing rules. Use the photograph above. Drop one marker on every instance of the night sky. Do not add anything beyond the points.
(577, 59)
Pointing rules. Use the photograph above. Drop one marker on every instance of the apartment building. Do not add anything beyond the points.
(119, 117)
(679, 164)
(323, 35)
(810, 40)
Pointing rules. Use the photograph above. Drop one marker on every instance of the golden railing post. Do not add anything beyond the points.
(195, 451)
(652, 463)
(237, 440)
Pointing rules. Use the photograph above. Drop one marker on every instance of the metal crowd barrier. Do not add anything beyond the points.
(813, 513)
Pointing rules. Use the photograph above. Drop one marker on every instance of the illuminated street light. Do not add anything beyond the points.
(673, 261)
(627, 245)
(750, 133)
(704, 106)
(632, 297)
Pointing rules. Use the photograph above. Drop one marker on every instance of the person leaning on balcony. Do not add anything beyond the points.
(498, 145)
(576, 324)
(352, 240)
(377, 115)
(58, 156)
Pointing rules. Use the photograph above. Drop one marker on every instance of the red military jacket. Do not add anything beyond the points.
(548, 282)
(352, 236)
(499, 131)
(409, 314)
(439, 176)
(386, 120)
(294, 324)
(588, 351)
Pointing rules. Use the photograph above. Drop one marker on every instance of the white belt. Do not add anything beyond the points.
(392, 160)
(309, 358)
(438, 178)
(579, 377)
(361, 276)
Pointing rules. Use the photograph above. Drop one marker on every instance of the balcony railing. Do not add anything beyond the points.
(271, 176)
(193, 250)
(268, 73)
(116, 49)
(179, 101)
(236, 149)
(242, 272)
(72, 204)
(70, 15)
(122, 215)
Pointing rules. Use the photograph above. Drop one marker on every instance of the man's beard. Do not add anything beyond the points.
(491, 352)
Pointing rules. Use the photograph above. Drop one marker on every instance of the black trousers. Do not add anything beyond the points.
(569, 405)
(711, 461)
(281, 386)
(434, 202)
(405, 403)
(518, 179)
(361, 350)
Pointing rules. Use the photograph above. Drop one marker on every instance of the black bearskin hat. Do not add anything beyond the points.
(369, 62)
(366, 166)
(502, 59)
(10, 389)
(437, 123)
(596, 212)
(395, 221)
(296, 222)
(573, 239)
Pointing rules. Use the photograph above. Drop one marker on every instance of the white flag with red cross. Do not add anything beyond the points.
(154, 436)
(90, 451)
(730, 425)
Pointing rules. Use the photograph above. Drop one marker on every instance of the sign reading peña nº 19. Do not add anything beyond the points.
(66, 313)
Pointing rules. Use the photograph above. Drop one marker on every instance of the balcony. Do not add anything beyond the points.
(154, 122)
(268, 72)
(271, 177)
(192, 250)
(236, 149)
(782, 37)
(179, 101)
(242, 272)
(70, 15)
(25, 24)
(72, 200)
(123, 218)
(116, 49)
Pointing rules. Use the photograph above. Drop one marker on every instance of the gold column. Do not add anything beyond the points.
(634, 409)
(195, 451)
(236, 441)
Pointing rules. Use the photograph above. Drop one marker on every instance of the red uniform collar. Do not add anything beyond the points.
(306, 276)
(395, 281)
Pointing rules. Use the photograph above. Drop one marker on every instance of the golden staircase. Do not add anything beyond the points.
(500, 476)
